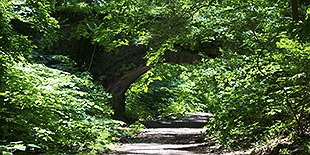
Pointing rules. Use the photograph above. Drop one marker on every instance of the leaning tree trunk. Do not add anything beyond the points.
(119, 88)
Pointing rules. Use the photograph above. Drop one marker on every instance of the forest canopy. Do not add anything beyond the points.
(58, 59)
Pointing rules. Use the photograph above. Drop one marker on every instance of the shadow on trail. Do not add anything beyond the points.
(167, 141)
(171, 137)
(195, 120)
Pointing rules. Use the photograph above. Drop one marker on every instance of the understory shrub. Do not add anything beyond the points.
(164, 91)
(54, 109)
(259, 98)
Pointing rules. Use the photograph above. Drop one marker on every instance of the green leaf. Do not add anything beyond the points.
(6, 153)
(33, 146)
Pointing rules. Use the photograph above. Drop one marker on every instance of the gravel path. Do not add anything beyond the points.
(181, 139)
(165, 141)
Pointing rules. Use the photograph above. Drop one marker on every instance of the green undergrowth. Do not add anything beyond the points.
(164, 91)
(54, 109)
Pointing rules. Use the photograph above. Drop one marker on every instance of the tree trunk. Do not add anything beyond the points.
(119, 88)
(294, 7)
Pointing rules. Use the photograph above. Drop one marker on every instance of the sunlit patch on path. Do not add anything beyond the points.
(181, 138)
(164, 141)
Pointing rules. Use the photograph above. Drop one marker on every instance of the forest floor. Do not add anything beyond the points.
(173, 137)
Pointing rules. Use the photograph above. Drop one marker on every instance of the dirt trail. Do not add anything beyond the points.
(172, 137)
(166, 141)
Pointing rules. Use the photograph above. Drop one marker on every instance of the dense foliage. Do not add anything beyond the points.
(52, 108)
(254, 100)
(42, 103)
(257, 90)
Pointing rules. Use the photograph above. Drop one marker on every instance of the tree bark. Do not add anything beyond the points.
(294, 7)
(119, 88)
